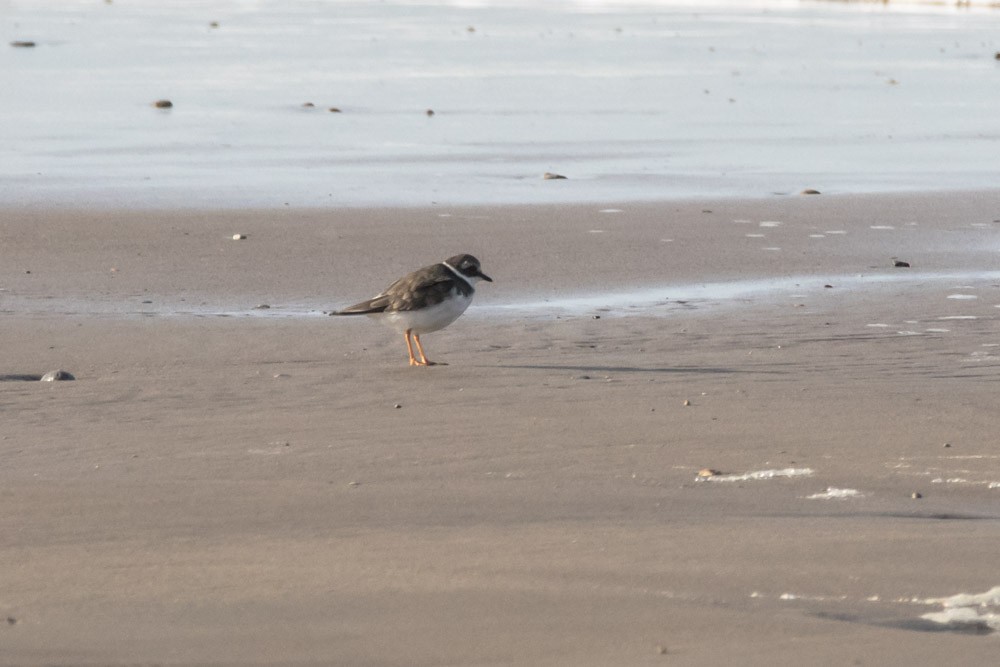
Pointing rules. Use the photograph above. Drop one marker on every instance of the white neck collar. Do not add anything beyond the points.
(459, 274)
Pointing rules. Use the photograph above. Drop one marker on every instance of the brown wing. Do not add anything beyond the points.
(426, 287)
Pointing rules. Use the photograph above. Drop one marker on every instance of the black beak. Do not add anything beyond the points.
(485, 277)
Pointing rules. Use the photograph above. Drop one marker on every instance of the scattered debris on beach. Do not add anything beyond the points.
(809, 191)
(549, 176)
(22, 44)
(163, 104)
(239, 237)
(900, 264)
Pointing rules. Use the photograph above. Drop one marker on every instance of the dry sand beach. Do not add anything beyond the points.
(230, 485)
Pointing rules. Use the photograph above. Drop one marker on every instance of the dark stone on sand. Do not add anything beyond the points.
(996, 56)
(213, 24)
(828, 286)
(163, 104)
(262, 306)
(11, 620)
(57, 376)
(22, 44)
(334, 110)
(429, 112)
(900, 264)
(308, 105)
(809, 191)
(549, 176)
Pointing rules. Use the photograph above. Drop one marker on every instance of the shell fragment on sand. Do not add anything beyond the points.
(57, 375)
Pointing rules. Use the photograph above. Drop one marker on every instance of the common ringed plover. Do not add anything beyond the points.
(426, 300)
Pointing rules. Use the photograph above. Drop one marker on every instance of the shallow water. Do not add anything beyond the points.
(659, 301)
(629, 100)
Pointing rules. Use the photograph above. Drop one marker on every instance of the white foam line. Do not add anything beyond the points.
(968, 609)
(989, 598)
(761, 474)
(733, 291)
(989, 484)
(833, 493)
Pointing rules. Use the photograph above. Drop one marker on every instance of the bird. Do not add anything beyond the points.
(429, 299)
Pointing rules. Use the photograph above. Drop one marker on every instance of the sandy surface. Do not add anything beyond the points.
(243, 489)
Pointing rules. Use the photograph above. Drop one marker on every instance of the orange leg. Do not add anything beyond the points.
(420, 349)
(409, 349)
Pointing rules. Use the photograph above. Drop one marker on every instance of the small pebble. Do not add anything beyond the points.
(549, 176)
(11, 620)
(899, 264)
(163, 104)
(916, 495)
(687, 402)
(597, 317)
(661, 650)
(429, 112)
(397, 406)
(708, 472)
(334, 110)
(213, 24)
(828, 286)
(262, 306)
(353, 483)
(809, 191)
(22, 44)
(946, 445)
(59, 375)
(308, 105)
(239, 237)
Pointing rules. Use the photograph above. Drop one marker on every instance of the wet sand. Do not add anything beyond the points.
(228, 485)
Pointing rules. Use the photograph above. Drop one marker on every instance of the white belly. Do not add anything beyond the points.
(428, 319)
